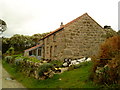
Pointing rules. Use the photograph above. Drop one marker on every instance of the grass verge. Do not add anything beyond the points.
(77, 78)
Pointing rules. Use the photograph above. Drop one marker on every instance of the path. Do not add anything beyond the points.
(7, 83)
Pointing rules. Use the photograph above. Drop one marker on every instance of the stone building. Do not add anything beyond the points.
(80, 37)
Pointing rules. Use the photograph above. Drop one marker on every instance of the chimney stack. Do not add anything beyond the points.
(61, 24)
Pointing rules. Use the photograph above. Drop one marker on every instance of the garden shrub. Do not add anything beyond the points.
(19, 55)
(8, 59)
(22, 58)
(17, 60)
(44, 68)
(107, 71)
(10, 51)
(33, 59)
(110, 47)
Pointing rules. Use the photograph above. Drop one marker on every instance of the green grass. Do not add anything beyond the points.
(77, 78)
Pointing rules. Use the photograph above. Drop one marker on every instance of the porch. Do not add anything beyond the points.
(35, 51)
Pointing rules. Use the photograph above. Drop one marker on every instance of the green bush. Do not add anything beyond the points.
(17, 60)
(10, 51)
(107, 71)
(33, 59)
(8, 59)
(44, 68)
(22, 58)
(19, 55)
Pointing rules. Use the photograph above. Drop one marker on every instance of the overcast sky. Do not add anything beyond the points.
(29, 17)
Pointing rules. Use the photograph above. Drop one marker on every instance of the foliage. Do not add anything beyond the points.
(37, 37)
(23, 58)
(33, 59)
(44, 68)
(56, 63)
(118, 32)
(8, 59)
(107, 71)
(110, 47)
(5, 44)
(109, 33)
(17, 60)
(77, 78)
(18, 55)
(10, 51)
(21, 42)
(3, 26)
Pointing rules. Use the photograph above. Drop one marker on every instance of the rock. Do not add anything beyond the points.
(8, 78)
(42, 78)
(88, 59)
(73, 62)
(65, 64)
(99, 70)
(51, 74)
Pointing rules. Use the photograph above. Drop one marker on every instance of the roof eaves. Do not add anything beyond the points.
(32, 48)
(53, 32)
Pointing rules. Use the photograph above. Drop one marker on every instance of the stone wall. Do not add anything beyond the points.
(83, 37)
(80, 37)
(53, 46)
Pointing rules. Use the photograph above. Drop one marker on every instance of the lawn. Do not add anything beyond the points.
(77, 78)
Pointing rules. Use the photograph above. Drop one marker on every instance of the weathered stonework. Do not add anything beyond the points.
(80, 37)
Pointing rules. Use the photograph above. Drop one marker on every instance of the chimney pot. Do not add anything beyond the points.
(61, 24)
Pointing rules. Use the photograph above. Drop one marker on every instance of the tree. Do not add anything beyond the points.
(109, 32)
(10, 51)
(37, 37)
(106, 69)
(3, 26)
(118, 32)
(5, 44)
(21, 42)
